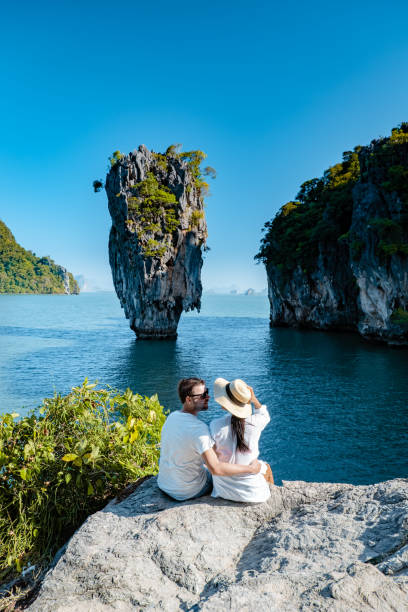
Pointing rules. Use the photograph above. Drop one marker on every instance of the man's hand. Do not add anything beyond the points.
(254, 399)
(219, 468)
(256, 466)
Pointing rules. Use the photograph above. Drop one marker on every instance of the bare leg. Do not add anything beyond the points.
(268, 474)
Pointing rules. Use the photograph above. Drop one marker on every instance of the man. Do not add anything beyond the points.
(186, 445)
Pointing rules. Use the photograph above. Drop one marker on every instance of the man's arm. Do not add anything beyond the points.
(218, 468)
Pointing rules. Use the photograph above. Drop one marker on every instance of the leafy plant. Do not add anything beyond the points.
(356, 249)
(134, 203)
(210, 171)
(196, 217)
(97, 185)
(161, 161)
(115, 158)
(400, 317)
(65, 461)
(172, 150)
(154, 248)
(397, 180)
(391, 234)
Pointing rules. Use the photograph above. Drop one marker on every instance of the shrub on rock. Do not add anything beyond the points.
(64, 461)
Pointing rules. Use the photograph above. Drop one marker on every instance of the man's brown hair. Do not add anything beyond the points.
(186, 385)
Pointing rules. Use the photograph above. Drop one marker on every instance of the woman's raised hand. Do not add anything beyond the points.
(254, 399)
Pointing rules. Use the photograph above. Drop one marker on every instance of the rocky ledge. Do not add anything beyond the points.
(157, 236)
(312, 546)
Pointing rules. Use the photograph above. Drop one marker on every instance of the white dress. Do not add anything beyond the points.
(245, 487)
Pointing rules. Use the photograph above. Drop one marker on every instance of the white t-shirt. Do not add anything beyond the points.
(181, 469)
(245, 487)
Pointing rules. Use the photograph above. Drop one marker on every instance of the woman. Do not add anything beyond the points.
(236, 436)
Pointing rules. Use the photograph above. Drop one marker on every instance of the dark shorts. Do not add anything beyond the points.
(207, 488)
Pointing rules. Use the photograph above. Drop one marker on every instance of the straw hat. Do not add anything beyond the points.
(234, 396)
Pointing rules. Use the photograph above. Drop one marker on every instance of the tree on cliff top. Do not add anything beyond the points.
(321, 213)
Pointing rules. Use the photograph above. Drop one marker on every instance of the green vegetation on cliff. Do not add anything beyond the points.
(21, 271)
(321, 214)
(153, 207)
(400, 317)
(64, 462)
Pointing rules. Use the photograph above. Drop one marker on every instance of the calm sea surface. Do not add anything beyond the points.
(339, 406)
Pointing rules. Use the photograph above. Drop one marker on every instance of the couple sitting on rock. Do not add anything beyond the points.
(196, 459)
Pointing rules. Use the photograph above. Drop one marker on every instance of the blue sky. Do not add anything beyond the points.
(273, 94)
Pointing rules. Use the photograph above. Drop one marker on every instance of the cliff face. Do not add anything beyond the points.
(157, 236)
(21, 271)
(337, 257)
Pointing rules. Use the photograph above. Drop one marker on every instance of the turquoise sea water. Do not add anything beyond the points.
(339, 406)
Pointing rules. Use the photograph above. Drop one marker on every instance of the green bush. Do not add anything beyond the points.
(210, 171)
(400, 317)
(153, 227)
(154, 248)
(134, 204)
(196, 217)
(391, 234)
(161, 161)
(357, 247)
(397, 180)
(65, 461)
(115, 157)
(97, 185)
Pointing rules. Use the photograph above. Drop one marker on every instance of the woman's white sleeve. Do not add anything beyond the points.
(261, 416)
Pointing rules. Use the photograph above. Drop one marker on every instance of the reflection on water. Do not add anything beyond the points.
(338, 405)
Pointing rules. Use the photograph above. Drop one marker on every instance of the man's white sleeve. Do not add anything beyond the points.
(203, 441)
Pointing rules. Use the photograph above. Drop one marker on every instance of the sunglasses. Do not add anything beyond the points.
(201, 395)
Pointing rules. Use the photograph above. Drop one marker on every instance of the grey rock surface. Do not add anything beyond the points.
(353, 285)
(312, 546)
(64, 274)
(154, 290)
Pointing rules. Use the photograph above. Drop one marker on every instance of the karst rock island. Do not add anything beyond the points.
(337, 256)
(156, 201)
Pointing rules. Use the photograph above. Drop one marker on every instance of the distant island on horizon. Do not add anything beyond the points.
(21, 271)
(234, 291)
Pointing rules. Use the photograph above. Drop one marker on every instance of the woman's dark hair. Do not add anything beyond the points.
(238, 429)
(186, 385)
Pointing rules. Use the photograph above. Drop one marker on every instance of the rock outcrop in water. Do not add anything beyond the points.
(311, 547)
(157, 236)
(337, 257)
